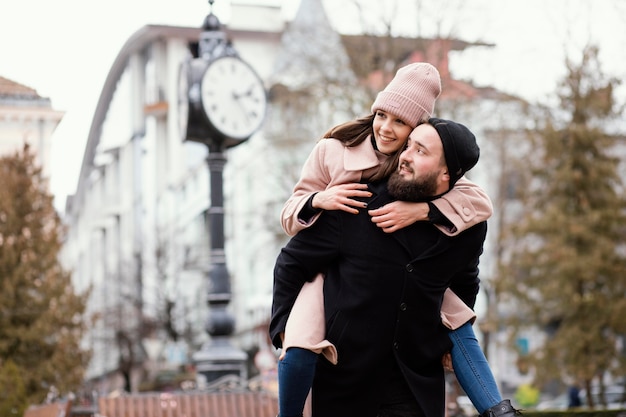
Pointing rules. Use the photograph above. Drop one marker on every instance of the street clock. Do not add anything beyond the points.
(233, 98)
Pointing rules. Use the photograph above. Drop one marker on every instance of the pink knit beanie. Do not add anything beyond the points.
(411, 94)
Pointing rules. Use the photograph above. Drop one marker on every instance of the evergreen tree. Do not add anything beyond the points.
(12, 391)
(565, 270)
(41, 316)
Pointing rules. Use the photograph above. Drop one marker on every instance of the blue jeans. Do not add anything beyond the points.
(295, 378)
(472, 369)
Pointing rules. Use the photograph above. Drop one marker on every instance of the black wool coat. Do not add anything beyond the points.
(382, 299)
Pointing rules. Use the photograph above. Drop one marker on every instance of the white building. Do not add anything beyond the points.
(26, 118)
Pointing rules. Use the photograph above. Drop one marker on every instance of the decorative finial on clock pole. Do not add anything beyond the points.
(213, 41)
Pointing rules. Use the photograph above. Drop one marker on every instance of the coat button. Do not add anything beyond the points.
(402, 306)
(409, 268)
(396, 345)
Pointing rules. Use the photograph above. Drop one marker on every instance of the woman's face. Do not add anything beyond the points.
(390, 133)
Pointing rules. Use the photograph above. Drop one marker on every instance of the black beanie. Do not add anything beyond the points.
(459, 147)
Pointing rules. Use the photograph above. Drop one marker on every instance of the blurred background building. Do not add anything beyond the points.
(26, 118)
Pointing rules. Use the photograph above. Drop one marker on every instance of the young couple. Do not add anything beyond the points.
(431, 205)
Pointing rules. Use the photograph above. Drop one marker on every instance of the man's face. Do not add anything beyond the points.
(422, 171)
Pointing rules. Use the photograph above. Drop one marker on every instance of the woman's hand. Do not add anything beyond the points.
(398, 214)
(340, 197)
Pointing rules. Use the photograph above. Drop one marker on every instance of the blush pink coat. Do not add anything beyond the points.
(331, 163)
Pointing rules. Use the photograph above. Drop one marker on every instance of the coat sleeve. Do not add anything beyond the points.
(465, 205)
(314, 177)
(305, 255)
(465, 283)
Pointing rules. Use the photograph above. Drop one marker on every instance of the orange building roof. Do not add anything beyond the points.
(10, 88)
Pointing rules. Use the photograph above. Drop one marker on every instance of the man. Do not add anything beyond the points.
(383, 291)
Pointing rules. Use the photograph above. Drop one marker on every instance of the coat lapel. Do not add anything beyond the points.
(405, 236)
(361, 157)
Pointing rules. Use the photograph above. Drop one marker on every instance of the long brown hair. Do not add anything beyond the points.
(354, 132)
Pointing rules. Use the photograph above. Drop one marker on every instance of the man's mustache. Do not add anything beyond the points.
(405, 165)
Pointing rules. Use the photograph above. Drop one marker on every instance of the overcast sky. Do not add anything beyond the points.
(65, 48)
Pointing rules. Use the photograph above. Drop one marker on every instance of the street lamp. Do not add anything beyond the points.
(222, 103)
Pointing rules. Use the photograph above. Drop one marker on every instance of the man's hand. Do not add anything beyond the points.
(399, 214)
(446, 361)
(340, 197)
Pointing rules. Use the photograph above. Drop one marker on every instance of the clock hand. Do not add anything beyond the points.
(246, 93)
(241, 105)
(238, 96)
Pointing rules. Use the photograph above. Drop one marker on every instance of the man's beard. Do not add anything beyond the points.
(422, 189)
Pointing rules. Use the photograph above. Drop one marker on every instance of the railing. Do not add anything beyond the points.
(227, 397)
(209, 404)
(59, 409)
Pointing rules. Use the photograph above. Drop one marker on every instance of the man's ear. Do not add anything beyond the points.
(444, 181)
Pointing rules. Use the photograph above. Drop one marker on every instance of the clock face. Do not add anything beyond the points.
(183, 98)
(233, 98)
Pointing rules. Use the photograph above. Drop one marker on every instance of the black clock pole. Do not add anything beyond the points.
(218, 358)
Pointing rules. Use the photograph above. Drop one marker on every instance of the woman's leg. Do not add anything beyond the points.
(295, 378)
(472, 369)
